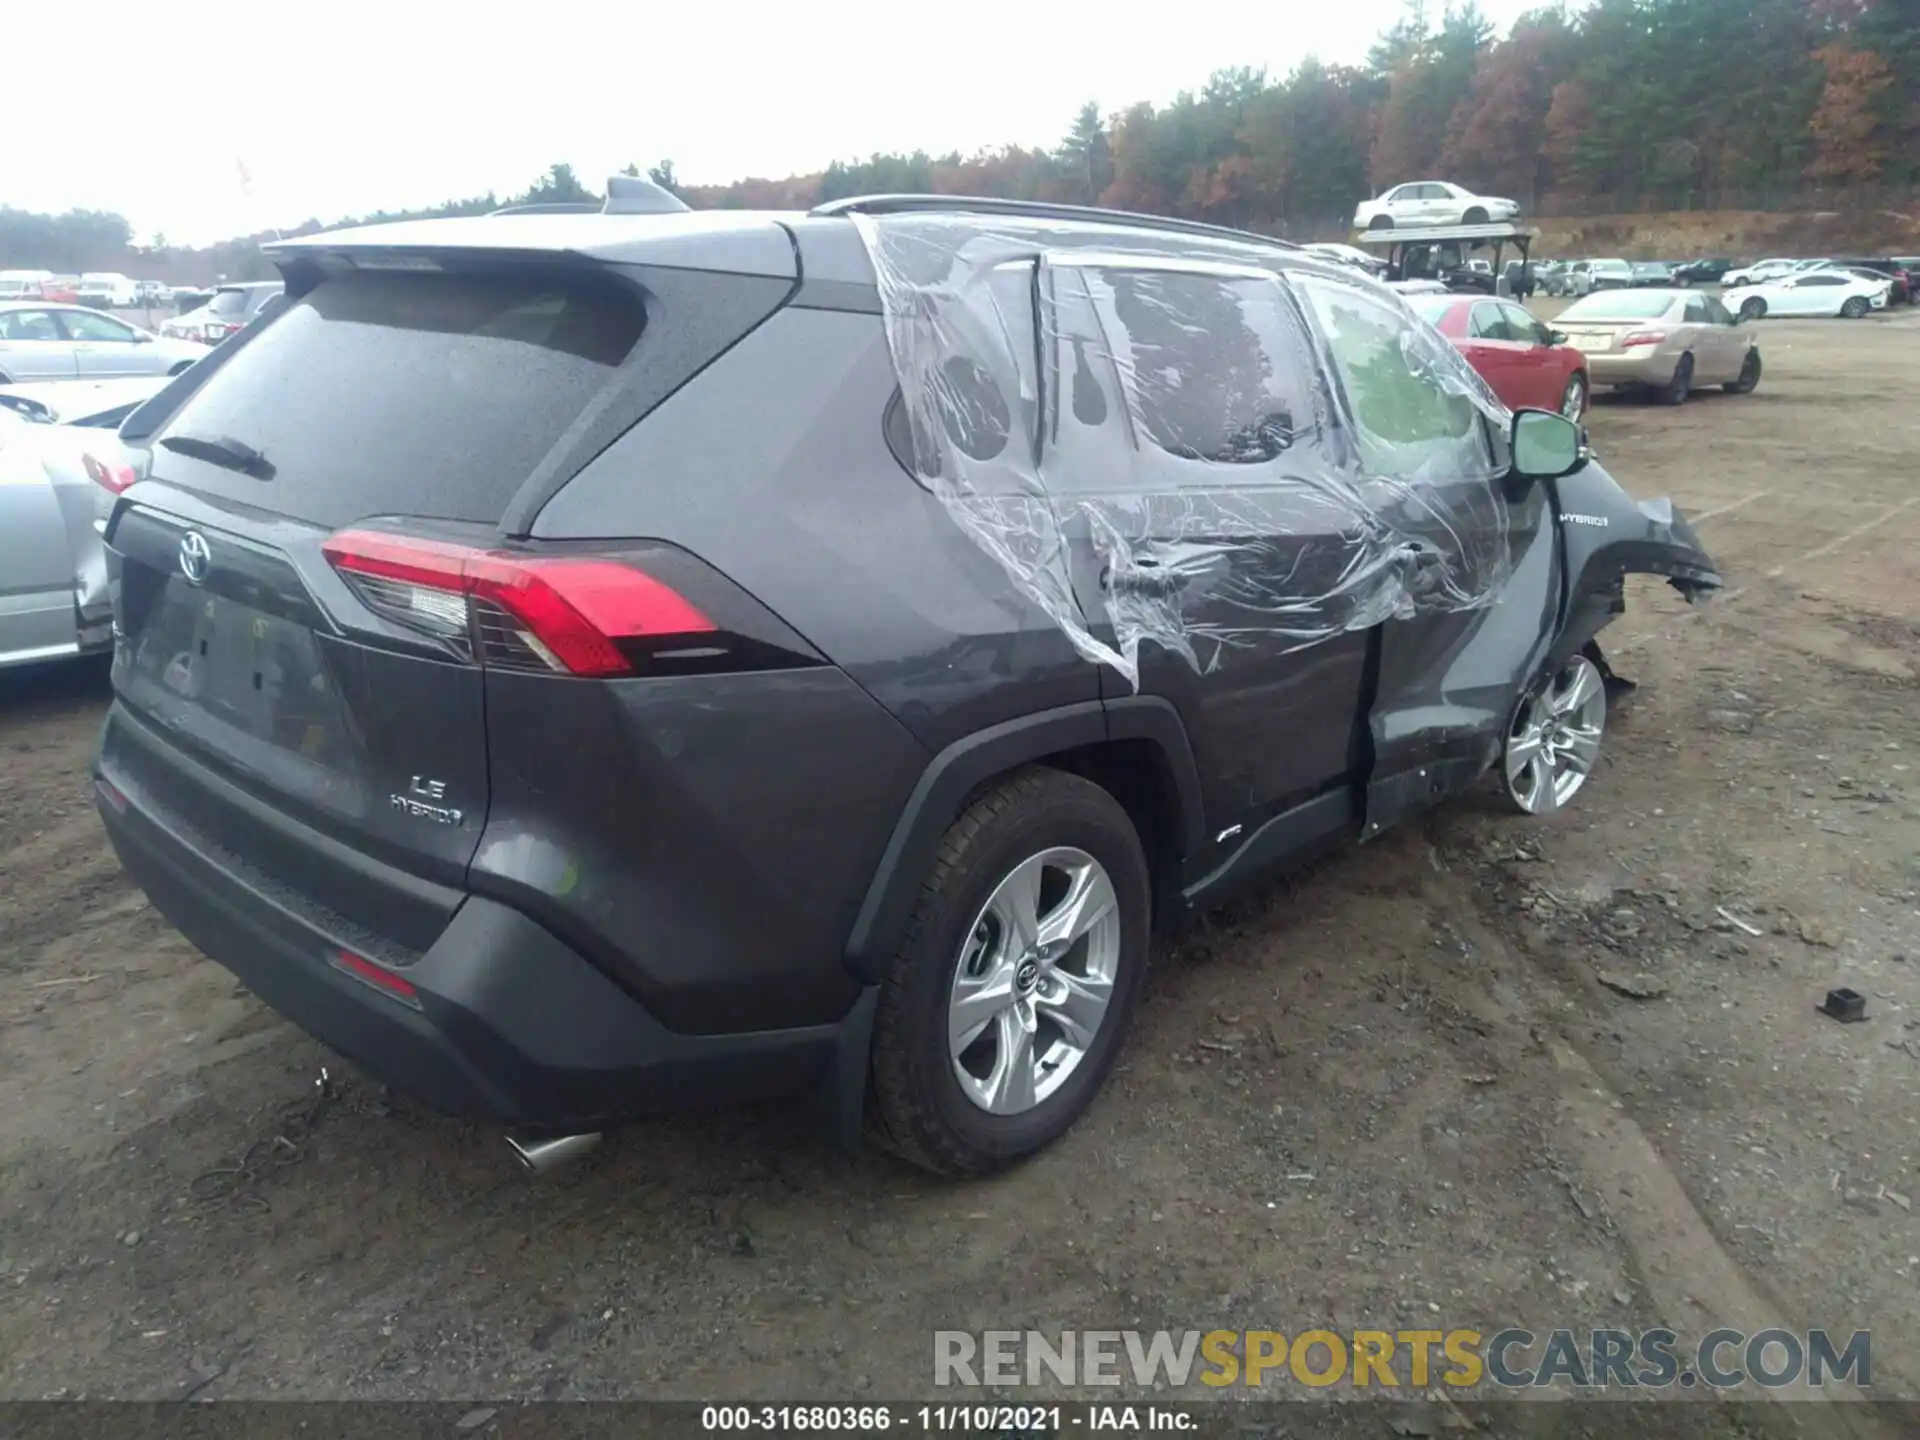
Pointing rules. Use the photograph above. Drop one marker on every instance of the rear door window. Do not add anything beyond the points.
(1213, 365)
(435, 395)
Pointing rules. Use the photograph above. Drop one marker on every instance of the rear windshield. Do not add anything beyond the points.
(1431, 308)
(228, 302)
(411, 394)
(1616, 305)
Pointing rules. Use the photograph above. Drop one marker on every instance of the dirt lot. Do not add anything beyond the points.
(1396, 1089)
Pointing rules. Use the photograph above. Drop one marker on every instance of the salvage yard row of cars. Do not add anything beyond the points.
(363, 575)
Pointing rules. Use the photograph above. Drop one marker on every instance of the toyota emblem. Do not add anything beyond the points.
(196, 557)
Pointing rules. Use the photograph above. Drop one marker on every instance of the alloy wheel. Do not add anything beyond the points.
(1573, 404)
(1554, 742)
(1034, 980)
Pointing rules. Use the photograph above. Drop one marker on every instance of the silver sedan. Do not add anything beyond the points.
(40, 341)
(61, 466)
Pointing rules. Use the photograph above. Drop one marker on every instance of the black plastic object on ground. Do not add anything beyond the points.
(1844, 1005)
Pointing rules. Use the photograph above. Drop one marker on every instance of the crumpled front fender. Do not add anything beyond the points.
(1607, 535)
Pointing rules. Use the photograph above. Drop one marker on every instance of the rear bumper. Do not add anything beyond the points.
(1650, 369)
(505, 1022)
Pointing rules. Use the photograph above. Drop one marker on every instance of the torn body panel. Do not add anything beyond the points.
(1607, 535)
(1449, 687)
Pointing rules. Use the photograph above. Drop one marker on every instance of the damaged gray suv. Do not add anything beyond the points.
(575, 664)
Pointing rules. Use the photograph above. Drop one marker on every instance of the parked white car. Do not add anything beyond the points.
(1817, 292)
(1763, 270)
(22, 284)
(108, 291)
(1432, 202)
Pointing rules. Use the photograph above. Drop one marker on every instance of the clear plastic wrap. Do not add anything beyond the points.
(1218, 447)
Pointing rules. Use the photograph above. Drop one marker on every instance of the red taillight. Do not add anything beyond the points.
(113, 476)
(1642, 337)
(377, 976)
(571, 611)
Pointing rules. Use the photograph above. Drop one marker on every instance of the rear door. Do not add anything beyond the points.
(409, 403)
(1185, 447)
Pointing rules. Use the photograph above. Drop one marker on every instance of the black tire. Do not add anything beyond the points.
(1576, 381)
(1474, 215)
(1380, 222)
(1676, 390)
(1749, 375)
(916, 1106)
(1752, 308)
(1855, 307)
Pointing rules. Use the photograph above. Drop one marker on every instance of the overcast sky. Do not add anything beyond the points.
(346, 107)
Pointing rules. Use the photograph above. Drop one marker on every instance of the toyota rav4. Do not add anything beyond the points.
(574, 664)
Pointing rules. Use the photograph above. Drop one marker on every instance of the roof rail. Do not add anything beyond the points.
(549, 207)
(1036, 209)
(636, 195)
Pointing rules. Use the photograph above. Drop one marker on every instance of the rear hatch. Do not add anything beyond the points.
(311, 721)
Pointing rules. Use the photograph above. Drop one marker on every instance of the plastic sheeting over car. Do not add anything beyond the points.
(1214, 446)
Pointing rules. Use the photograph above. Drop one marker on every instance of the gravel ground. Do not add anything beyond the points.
(1485, 1071)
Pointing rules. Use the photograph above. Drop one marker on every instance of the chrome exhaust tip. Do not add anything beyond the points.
(551, 1152)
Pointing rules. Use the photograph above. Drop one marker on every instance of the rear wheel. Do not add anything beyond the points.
(1855, 307)
(1749, 375)
(1676, 390)
(1573, 401)
(1005, 1007)
(1752, 308)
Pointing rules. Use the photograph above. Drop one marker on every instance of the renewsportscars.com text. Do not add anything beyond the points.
(1509, 1359)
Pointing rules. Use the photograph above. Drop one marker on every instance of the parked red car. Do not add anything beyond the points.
(1527, 364)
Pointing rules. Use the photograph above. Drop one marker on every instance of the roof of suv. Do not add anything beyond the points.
(753, 242)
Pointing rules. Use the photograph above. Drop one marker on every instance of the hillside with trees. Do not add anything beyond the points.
(1624, 106)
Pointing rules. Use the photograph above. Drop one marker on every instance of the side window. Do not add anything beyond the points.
(1716, 312)
(1490, 323)
(27, 325)
(983, 394)
(1406, 392)
(97, 329)
(1525, 327)
(1214, 365)
(1697, 312)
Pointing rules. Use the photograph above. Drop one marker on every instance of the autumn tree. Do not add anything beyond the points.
(1849, 123)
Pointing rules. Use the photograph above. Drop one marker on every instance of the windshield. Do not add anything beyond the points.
(1618, 305)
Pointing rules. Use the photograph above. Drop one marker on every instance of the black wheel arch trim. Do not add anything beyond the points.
(960, 769)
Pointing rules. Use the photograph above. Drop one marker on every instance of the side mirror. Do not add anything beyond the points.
(1545, 446)
(1556, 337)
(140, 337)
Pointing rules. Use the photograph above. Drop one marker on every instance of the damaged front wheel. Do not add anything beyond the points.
(1554, 741)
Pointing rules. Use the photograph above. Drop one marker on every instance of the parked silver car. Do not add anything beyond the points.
(61, 466)
(229, 310)
(39, 341)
